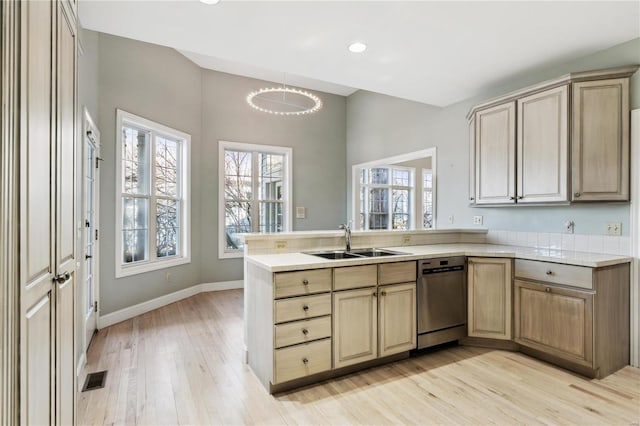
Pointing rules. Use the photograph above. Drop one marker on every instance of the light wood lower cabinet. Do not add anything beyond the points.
(397, 318)
(555, 320)
(355, 330)
(585, 329)
(302, 360)
(489, 286)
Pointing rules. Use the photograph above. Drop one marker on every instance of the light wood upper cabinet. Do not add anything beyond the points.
(397, 318)
(495, 133)
(472, 161)
(489, 286)
(355, 330)
(543, 146)
(600, 161)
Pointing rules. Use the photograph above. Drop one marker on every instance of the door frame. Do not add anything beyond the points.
(635, 238)
(88, 125)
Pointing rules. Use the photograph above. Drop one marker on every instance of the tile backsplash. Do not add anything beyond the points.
(572, 242)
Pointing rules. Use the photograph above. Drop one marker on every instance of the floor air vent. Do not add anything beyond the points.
(95, 381)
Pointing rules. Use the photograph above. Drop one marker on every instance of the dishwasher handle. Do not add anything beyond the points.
(442, 269)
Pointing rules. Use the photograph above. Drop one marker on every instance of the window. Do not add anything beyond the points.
(255, 188)
(395, 193)
(386, 198)
(152, 203)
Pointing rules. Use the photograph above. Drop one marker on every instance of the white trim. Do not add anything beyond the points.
(144, 307)
(635, 238)
(287, 211)
(153, 263)
(389, 161)
(81, 363)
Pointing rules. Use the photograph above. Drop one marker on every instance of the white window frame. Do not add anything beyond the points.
(390, 186)
(154, 263)
(416, 220)
(287, 190)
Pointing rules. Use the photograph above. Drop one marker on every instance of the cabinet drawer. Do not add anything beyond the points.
(302, 360)
(576, 276)
(355, 277)
(302, 307)
(300, 283)
(398, 272)
(302, 331)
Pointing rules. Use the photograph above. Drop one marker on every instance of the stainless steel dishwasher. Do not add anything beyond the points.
(442, 300)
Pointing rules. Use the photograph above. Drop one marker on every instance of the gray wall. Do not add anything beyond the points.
(382, 126)
(160, 84)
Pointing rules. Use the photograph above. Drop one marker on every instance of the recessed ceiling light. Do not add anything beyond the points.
(210, 1)
(357, 47)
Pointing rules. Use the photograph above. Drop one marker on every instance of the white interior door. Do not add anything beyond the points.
(90, 217)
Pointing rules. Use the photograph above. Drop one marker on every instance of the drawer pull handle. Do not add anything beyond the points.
(305, 281)
(305, 331)
(305, 361)
(549, 272)
(305, 308)
(547, 289)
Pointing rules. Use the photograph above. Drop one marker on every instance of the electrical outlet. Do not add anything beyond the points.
(281, 245)
(301, 212)
(168, 276)
(614, 228)
(406, 239)
(477, 220)
(450, 218)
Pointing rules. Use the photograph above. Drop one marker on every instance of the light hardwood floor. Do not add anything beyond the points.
(182, 364)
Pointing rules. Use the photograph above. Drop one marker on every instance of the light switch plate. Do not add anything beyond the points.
(614, 228)
(301, 213)
(477, 220)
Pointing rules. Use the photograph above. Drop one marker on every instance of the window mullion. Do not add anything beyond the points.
(153, 251)
(255, 203)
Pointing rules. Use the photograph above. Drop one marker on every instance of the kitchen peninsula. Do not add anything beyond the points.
(567, 307)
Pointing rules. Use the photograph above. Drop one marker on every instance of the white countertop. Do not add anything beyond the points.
(299, 261)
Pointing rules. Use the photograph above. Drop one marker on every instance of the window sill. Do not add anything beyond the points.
(128, 270)
(231, 254)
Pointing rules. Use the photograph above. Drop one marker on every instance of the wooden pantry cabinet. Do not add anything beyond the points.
(574, 316)
(521, 141)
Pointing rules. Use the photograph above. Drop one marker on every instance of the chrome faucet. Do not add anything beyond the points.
(347, 235)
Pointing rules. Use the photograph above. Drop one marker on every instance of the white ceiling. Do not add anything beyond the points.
(432, 52)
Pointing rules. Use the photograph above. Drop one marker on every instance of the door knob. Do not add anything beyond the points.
(62, 278)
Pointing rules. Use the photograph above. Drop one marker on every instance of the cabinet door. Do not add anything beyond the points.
(355, 331)
(37, 184)
(543, 146)
(397, 318)
(600, 140)
(489, 300)
(495, 154)
(554, 320)
(472, 161)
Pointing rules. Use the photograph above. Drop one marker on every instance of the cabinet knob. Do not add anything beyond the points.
(305, 281)
(383, 293)
(547, 289)
(471, 198)
(577, 194)
(375, 294)
(520, 197)
(512, 198)
(305, 308)
(305, 361)
(305, 331)
(549, 272)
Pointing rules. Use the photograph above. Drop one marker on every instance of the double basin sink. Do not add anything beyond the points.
(354, 254)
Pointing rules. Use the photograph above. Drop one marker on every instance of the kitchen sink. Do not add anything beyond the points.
(358, 253)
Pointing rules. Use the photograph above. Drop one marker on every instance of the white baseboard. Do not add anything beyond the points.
(158, 302)
(81, 363)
